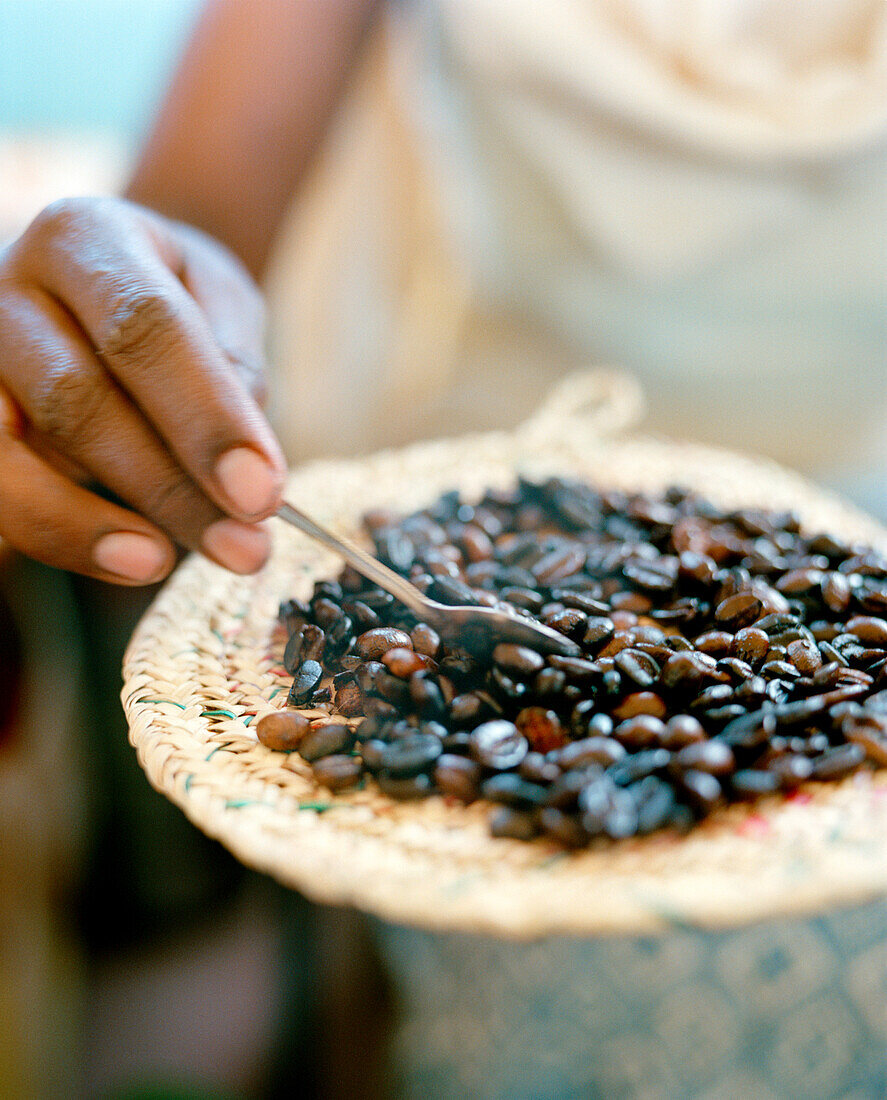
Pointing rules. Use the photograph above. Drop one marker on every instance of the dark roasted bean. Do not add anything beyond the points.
(374, 644)
(714, 757)
(403, 662)
(518, 659)
(837, 762)
(308, 676)
(425, 640)
(640, 702)
(412, 754)
(541, 727)
(638, 765)
(655, 801)
(751, 783)
(751, 645)
(512, 790)
(791, 770)
(516, 824)
(337, 772)
(562, 827)
(405, 788)
(701, 790)
(282, 731)
(637, 667)
(687, 671)
(328, 739)
(313, 643)
(640, 732)
(682, 730)
(738, 611)
(498, 745)
(716, 643)
(591, 750)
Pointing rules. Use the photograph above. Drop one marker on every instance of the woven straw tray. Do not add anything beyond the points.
(205, 663)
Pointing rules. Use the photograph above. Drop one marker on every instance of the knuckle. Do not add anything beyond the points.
(140, 319)
(66, 402)
(60, 218)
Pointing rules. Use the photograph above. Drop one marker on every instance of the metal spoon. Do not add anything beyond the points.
(476, 629)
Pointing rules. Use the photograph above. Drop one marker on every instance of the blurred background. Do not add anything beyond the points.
(695, 191)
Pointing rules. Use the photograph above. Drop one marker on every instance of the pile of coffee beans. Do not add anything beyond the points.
(725, 655)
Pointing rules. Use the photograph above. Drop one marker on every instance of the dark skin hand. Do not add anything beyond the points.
(131, 343)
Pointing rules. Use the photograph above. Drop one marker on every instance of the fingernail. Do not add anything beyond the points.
(130, 556)
(248, 481)
(238, 546)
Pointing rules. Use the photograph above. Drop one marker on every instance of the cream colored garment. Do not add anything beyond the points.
(695, 190)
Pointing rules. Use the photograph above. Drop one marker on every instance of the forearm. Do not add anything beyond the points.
(244, 114)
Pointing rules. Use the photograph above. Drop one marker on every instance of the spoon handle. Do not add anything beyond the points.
(364, 563)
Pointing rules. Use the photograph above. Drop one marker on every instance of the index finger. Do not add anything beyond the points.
(103, 262)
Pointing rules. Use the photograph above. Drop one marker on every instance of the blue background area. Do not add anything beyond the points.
(87, 64)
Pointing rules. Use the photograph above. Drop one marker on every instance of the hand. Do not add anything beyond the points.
(129, 345)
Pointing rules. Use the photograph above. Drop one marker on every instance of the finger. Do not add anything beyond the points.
(101, 263)
(231, 303)
(47, 517)
(73, 406)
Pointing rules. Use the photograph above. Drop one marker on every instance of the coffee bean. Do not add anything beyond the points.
(750, 783)
(517, 659)
(282, 731)
(837, 762)
(738, 611)
(308, 676)
(515, 824)
(328, 739)
(541, 727)
(751, 645)
(405, 788)
(714, 757)
(498, 745)
(402, 662)
(591, 750)
(412, 754)
(337, 772)
(373, 644)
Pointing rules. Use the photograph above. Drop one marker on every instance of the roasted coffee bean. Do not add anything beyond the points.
(457, 776)
(805, 656)
(870, 630)
(512, 790)
(371, 752)
(567, 621)
(837, 762)
(702, 791)
(337, 772)
(791, 770)
(313, 643)
(559, 564)
(682, 730)
(349, 698)
(538, 768)
(715, 643)
(518, 660)
(405, 788)
(638, 765)
(640, 732)
(403, 662)
(591, 750)
(516, 824)
(282, 730)
(751, 645)
(637, 667)
(412, 754)
(750, 783)
(714, 757)
(374, 644)
(655, 802)
(561, 827)
(598, 632)
(541, 727)
(328, 739)
(498, 744)
(425, 640)
(308, 676)
(686, 672)
(738, 611)
(640, 702)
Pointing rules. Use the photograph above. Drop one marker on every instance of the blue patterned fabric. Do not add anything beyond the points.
(788, 1009)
